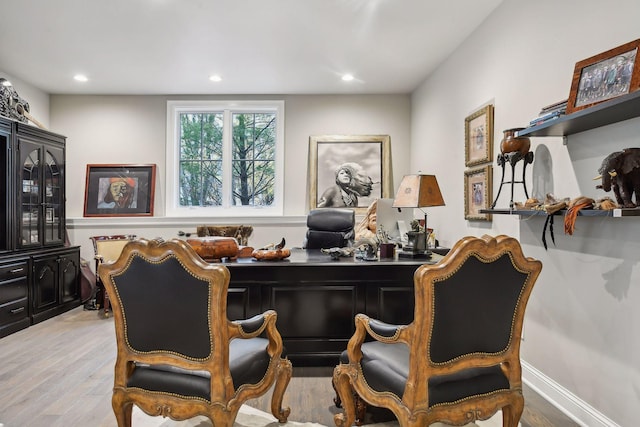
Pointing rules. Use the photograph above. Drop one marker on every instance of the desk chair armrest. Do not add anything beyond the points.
(378, 330)
(256, 325)
(251, 327)
(382, 331)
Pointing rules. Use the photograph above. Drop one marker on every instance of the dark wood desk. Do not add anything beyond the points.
(317, 298)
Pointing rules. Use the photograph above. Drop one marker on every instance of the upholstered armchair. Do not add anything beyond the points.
(329, 228)
(459, 360)
(178, 354)
(107, 249)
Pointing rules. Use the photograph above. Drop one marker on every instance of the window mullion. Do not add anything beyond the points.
(227, 153)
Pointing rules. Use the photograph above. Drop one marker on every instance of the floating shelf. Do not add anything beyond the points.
(616, 213)
(618, 109)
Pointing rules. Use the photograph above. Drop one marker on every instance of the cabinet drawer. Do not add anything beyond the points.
(11, 290)
(14, 269)
(14, 311)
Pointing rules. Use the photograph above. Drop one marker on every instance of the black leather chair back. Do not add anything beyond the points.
(329, 228)
(175, 302)
(474, 309)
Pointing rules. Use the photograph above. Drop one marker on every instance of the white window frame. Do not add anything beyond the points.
(174, 109)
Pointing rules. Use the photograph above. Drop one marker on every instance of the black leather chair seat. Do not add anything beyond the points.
(248, 362)
(386, 368)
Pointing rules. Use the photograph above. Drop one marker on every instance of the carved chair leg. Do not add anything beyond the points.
(122, 412)
(106, 304)
(336, 400)
(511, 414)
(361, 409)
(359, 404)
(284, 371)
(342, 385)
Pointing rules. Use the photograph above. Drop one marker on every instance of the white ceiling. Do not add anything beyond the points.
(256, 46)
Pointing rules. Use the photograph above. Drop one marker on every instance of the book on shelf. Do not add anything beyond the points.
(546, 117)
(556, 106)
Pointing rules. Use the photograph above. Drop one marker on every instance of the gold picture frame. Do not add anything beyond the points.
(366, 158)
(478, 187)
(478, 137)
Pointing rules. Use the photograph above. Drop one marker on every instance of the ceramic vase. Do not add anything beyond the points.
(511, 143)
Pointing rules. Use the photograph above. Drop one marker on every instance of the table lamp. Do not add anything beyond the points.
(418, 191)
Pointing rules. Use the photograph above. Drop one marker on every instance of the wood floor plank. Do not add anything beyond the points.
(59, 373)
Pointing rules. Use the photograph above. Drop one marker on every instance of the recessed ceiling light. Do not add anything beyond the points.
(80, 78)
(215, 78)
(347, 77)
(5, 82)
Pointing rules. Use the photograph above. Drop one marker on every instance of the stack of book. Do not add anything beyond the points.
(550, 112)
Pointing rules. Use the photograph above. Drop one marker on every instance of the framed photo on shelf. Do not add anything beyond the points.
(119, 190)
(349, 171)
(478, 137)
(605, 76)
(477, 193)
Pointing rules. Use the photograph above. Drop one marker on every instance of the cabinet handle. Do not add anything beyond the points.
(17, 310)
(17, 270)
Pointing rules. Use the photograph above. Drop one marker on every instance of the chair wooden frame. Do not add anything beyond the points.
(412, 408)
(224, 398)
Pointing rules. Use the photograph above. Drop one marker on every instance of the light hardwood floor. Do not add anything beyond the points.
(59, 373)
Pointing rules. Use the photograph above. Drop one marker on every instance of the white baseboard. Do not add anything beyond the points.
(571, 405)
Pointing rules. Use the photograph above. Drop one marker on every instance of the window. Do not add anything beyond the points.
(225, 158)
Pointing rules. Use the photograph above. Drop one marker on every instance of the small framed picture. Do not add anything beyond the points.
(119, 190)
(477, 193)
(478, 137)
(605, 76)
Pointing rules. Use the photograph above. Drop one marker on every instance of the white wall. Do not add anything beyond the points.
(582, 321)
(131, 129)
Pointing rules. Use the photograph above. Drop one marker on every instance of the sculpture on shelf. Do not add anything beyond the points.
(620, 171)
(513, 149)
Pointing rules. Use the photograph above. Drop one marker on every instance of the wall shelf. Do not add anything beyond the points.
(616, 213)
(618, 109)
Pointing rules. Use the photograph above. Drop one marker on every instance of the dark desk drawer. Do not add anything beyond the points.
(12, 290)
(13, 270)
(14, 311)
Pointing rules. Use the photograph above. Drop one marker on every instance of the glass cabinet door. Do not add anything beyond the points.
(6, 208)
(41, 203)
(52, 195)
(30, 201)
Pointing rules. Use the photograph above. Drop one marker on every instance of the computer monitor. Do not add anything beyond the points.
(396, 222)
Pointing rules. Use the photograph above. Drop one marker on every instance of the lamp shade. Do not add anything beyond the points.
(417, 191)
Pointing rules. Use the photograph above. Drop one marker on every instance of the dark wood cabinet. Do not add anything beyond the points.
(55, 283)
(39, 276)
